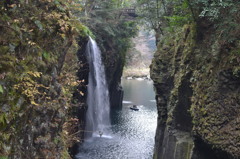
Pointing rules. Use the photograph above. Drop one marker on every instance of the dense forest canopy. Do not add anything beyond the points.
(168, 15)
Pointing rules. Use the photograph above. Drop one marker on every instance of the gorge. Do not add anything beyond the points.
(61, 98)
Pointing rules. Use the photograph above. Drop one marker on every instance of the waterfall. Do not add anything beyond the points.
(97, 117)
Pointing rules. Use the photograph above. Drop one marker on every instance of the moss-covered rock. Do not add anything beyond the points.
(197, 86)
(38, 63)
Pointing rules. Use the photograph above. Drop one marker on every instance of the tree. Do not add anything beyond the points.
(107, 21)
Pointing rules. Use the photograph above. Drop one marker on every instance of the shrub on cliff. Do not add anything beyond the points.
(35, 80)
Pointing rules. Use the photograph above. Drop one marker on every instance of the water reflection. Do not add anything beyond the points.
(139, 92)
(132, 132)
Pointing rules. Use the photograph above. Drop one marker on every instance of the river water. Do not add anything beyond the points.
(131, 134)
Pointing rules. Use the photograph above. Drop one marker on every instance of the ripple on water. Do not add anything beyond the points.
(132, 137)
(132, 132)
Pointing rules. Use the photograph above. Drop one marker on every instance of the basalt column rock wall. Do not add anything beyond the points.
(197, 83)
(114, 62)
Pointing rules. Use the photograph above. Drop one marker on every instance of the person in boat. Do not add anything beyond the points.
(134, 107)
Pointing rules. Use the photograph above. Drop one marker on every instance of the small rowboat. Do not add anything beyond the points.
(134, 107)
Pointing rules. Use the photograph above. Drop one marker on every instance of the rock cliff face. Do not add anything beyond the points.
(38, 64)
(196, 76)
(113, 66)
(114, 63)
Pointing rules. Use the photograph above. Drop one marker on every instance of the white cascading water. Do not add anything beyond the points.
(97, 117)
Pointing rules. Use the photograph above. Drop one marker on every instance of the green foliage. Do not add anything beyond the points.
(181, 13)
(35, 38)
(177, 20)
(1, 89)
(224, 15)
(213, 9)
(169, 15)
(151, 12)
(39, 24)
(111, 28)
(46, 55)
(85, 31)
(164, 16)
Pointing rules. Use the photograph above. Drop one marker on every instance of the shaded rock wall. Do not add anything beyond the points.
(196, 79)
(79, 109)
(113, 67)
(114, 62)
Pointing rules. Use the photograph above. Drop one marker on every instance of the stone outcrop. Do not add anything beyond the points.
(197, 82)
(38, 66)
